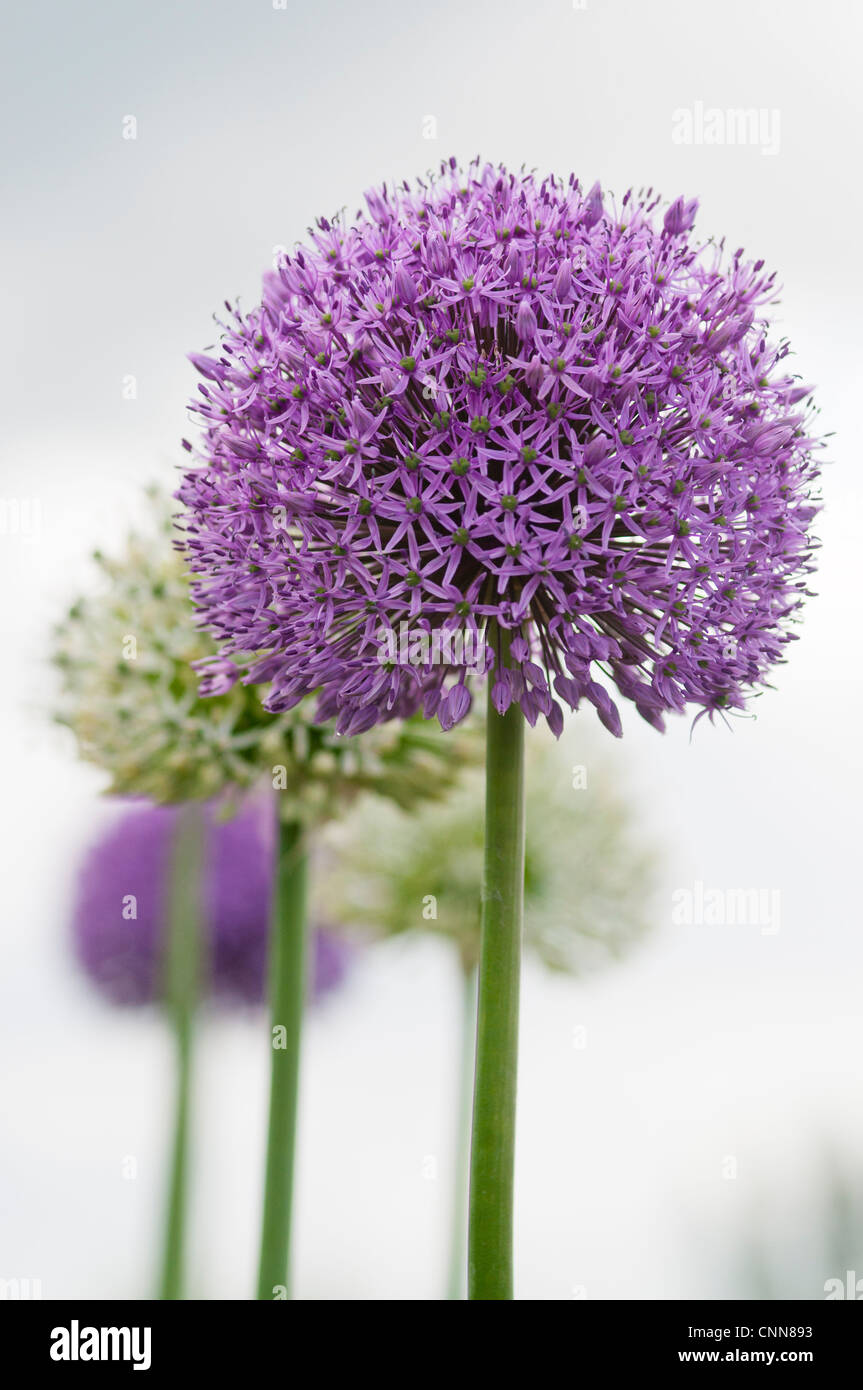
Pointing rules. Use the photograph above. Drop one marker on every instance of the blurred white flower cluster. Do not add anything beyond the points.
(129, 694)
(588, 875)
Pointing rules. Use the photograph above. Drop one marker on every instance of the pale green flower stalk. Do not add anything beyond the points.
(587, 885)
(130, 695)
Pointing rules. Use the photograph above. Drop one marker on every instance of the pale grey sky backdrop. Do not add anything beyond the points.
(712, 1042)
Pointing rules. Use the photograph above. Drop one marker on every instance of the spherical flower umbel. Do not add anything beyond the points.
(588, 876)
(494, 402)
(121, 911)
(130, 695)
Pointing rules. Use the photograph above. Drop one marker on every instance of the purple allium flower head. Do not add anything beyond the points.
(497, 402)
(125, 955)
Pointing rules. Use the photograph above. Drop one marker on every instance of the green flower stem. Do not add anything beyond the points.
(458, 1237)
(493, 1143)
(287, 997)
(182, 970)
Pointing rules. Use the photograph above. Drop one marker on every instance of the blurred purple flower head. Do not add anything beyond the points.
(498, 400)
(128, 870)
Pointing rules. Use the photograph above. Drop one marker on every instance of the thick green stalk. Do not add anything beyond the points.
(182, 970)
(493, 1141)
(458, 1236)
(287, 996)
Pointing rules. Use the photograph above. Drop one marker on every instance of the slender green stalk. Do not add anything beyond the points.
(287, 997)
(182, 970)
(493, 1142)
(458, 1237)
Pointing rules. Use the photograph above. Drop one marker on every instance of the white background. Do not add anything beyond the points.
(708, 1044)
